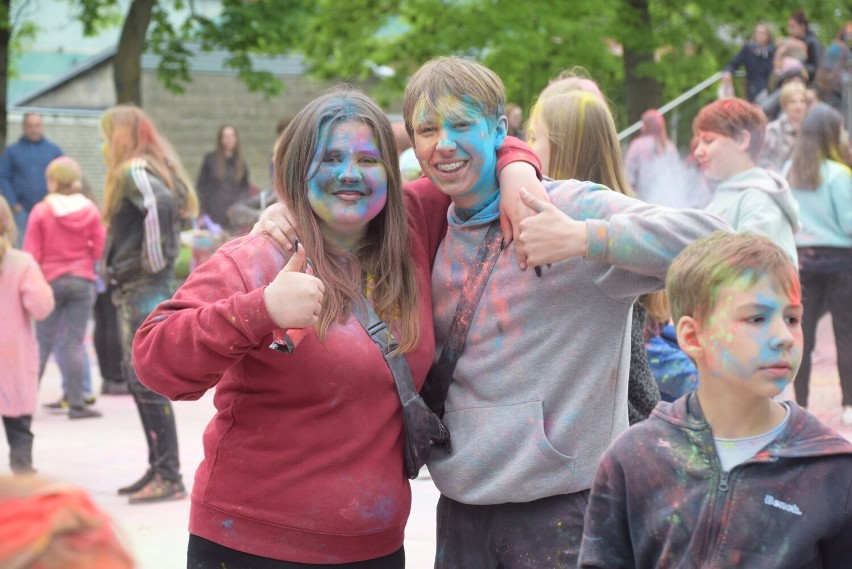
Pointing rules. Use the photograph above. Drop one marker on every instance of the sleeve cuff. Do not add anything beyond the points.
(254, 316)
(597, 236)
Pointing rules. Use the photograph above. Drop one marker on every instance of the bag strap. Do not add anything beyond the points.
(437, 384)
(378, 331)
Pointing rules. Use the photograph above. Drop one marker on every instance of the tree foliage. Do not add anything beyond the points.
(640, 51)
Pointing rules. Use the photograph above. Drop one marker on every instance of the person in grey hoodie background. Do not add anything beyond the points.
(751, 199)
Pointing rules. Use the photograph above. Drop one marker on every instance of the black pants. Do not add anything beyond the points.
(545, 533)
(155, 411)
(204, 554)
(106, 338)
(20, 439)
(830, 292)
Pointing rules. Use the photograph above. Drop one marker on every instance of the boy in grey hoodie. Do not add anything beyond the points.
(753, 200)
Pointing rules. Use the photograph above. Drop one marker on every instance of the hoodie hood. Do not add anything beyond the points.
(769, 182)
(804, 435)
(74, 211)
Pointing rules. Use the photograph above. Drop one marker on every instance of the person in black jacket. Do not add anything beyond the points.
(224, 177)
(799, 28)
(756, 56)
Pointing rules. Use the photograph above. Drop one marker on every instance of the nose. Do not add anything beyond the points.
(782, 335)
(350, 173)
(446, 143)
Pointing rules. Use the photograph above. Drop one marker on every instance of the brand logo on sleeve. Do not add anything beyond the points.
(792, 508)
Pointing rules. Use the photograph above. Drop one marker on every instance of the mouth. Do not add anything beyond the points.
(451, 167)
(349, 195)
(778, 368)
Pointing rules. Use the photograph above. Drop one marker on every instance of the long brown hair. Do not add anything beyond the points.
(384, 252)
(222, 160)
(819, 139)
(8, 229)
(129, 134)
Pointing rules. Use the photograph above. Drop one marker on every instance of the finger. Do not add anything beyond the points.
(534, 204)
(296, 262)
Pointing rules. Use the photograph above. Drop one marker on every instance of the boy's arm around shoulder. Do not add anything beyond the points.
(187, 343)
(606, 532)
(641, 238)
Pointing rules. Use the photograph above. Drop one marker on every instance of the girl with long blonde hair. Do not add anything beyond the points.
(147, 200)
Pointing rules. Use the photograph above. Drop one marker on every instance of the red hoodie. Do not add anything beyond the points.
(65, 236)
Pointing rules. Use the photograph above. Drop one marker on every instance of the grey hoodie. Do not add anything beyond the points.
(759, 201)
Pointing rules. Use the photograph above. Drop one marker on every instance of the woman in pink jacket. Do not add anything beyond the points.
(26, 295)
(66, 238)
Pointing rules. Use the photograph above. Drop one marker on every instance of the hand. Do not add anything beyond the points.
(294, 298)
(727, 77)
(276, 223)
(550, 235)
(513, 179)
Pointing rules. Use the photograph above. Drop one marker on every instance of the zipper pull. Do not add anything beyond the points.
(723, 483)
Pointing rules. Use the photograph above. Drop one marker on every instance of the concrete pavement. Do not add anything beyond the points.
(103, 454)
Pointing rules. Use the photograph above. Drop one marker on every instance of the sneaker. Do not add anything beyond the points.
(846, 418)
(83, 413)
(138, 485)
(61, 406)
(158, 490)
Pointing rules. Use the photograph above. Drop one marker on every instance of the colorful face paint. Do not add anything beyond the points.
(457, 149)
(718, 155)
(752, 341)
(350, 185)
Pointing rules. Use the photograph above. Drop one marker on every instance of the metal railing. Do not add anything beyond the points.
(673, 104)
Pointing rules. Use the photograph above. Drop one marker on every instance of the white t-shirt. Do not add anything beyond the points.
(733, 452)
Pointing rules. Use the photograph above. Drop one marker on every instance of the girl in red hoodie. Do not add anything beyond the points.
(66, 238)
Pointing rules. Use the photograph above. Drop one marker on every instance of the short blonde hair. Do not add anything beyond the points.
(447, 80)
(66, 172)
(704, 267)
(789, 90)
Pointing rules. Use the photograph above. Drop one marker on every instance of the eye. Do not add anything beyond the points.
(426, 129)
(370, 160)
(461, 125)
(331, 158)
(757, 319)
(793, 320)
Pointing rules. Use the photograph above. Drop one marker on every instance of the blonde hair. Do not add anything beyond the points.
(66, 172)
(444, 82)
(791, 89)
(384, 253)
(8, 229)
(130, 134)
(704, 267)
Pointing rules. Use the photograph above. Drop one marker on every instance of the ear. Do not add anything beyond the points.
(744, 140)
(501, 130)
(688, 336)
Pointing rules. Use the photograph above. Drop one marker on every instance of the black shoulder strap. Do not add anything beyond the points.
(378, 331)
(437, 384)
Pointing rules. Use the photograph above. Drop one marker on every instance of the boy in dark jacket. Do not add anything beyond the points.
(725, 476)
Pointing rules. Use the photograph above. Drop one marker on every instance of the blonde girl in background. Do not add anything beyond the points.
(66, 238)
(26, 297)
(147, 200)
(573, 133)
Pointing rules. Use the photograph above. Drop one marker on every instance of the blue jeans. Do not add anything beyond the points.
(21, 219)
(64, 331)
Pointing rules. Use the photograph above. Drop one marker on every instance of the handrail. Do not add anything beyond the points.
(673, 103)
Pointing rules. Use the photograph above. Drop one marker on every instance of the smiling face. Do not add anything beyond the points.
(457, 149)
(722, 157)
(349, 186)
(228, 140)
(751, 342)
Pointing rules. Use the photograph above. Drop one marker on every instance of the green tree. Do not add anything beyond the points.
(243, 28)
(641, 52)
